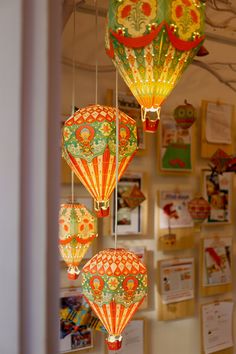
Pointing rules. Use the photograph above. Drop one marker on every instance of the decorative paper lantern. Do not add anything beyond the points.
(185, 115)
(151, 43)
(89, 148)
(114, 283)
(77, 230)
(199, 209)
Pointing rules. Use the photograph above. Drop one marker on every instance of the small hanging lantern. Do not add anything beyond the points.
(89, 148)
(77, 230)
(199, 209)
(151, 43)
(185, 115)
(114, 283)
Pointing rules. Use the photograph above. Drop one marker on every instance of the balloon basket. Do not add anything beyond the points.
(102, 213)
(150, 126)
(114, 344)
(73, 273)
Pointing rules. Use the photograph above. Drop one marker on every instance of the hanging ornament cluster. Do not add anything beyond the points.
(114, 283)
(151, 44)
(185, 115)
(89, 148)
(199, 209)
(77, 230)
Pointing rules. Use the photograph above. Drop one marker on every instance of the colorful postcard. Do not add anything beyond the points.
(75, 314)
(175, 147)
(217, 190)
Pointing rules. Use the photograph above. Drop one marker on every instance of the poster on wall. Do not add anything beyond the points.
(178, 205)
(175, 147)
(217, 260)
(75, 313)
(177, 280)
(217, 190)
(217, 326)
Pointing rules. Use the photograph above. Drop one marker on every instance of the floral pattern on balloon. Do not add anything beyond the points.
(135, 15)
(77, 230)
(109, 268)
(186, 16)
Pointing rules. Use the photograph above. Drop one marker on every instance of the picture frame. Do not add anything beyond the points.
(130, 222)
(175, 147)
(216, 265)
(75, 335)
(177, 232)
(134, 338)
(217, 190)
(217, 120)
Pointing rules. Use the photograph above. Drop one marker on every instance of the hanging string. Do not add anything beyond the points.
(73, 96)
(117, 160)
(96, 51)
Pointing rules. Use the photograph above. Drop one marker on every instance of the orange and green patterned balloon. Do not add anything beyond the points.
(89, 148)
(114, 283)
(151, 43)
(77, 230)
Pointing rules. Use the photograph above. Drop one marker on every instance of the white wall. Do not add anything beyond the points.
(182, 336)
(29, 159)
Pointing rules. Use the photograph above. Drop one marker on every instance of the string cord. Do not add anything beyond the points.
(96, 51)
(73, 96)
(117, 161)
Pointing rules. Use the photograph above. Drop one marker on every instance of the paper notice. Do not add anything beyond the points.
(177, 280)
(217, 326)
(219, 123)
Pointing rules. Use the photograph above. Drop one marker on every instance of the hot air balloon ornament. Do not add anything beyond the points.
(77, 230)
(114, 283)
(199, 209)
(151, 43)
(185, 115)
(89, 148)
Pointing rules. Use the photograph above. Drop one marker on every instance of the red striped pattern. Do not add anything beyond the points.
(98, 176)
(113, 316)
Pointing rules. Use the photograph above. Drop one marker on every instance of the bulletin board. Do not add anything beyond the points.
(175, 288)
(216, 265)
(217, 327)
(177, 232)
(216, 128)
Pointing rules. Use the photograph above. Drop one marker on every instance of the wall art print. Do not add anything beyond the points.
(217, 190)
(175, 147)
